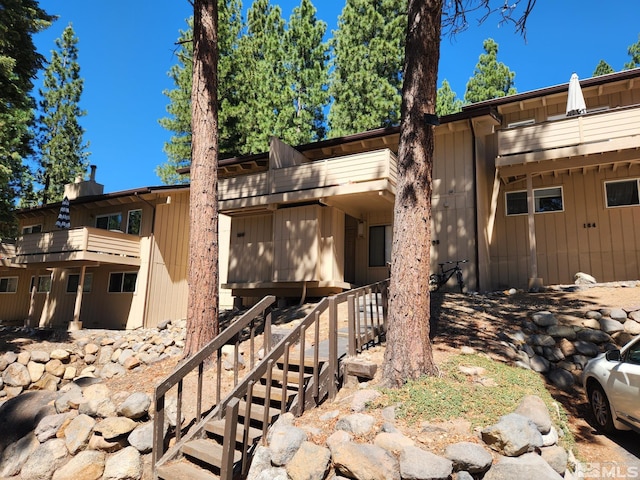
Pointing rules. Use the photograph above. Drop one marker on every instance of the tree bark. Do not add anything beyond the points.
(202, 310)
(408, 352)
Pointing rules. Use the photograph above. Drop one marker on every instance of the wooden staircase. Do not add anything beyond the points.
(289, 378)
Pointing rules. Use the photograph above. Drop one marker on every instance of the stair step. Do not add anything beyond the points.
(257, 411)
(207, 451)
(184, 470)
(216, 427)
(294, 359)
(292, 377)
(260, 391)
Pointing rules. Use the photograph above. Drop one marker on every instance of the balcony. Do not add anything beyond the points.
(362, 173)
(85, 244)
(606, 131)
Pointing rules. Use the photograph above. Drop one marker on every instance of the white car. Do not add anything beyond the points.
(612, 383)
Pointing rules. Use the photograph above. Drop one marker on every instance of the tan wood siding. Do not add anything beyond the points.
(15, 306)
(251, 249)
(331, 258)
(243, 186)
(296, 238)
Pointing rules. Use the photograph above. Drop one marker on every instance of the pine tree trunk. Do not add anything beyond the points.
(408, 353)
(202, 311)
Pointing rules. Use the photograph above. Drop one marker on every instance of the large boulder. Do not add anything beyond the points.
(513, 435)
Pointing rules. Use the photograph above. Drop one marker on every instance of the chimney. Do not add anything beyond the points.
(92, 176)
(83, 188)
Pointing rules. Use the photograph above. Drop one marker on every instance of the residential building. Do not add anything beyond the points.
(528, 195)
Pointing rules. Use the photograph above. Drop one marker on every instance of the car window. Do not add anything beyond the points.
(633, 354)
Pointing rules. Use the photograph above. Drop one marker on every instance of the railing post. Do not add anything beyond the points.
(333, 347)
(230, 428)
(267, 331)
(158, 430)
(352, 325)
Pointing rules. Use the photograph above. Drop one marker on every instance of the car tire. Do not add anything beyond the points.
(600, 408)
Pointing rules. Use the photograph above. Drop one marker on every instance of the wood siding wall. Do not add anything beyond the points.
(251, 249)
(609, 251)
(296, 237)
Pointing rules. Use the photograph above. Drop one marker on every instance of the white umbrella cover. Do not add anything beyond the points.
(575, 100)
(64, 219)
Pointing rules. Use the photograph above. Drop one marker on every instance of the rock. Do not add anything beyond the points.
(362, 397)
(16, 375)
(567, 347)
(105, 355)
(362, 461)
(534, 408)
(562, 331)
(87, 465)
(556, 457)
(55, 367)
(48, 427)
(135, 406)
(40, 356)
(580, 360)
(539, 364)
(123, 465)
(113, 427)
(611, 326)
(131, 363)
(111, 370)
(357, 423)
(614, 313)
(550, 438)
(60, 354)
(78, 432)
(337, 439)
(24, 358)
(20, 415)
(553, 354)
(260, 462)
(69, 373)
(592, 323)
(15, 455)
(284, 442)
(632, 327)
(46, 382)
(593, 336)
(469, 457)
(542, 340)
(91, 349)
(513, 435)
(593, 314)
(582, 278)
(416, 463)
(634, 315)
(98, 442)
(310, 462)
(124, 355)
(586, 348)
(562, 379)
(544, 319)
(142, 437)
(393, 441)
(45, 460)
(527, 466)
(70, 399)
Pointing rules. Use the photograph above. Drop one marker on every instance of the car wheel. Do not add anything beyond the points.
(601, 409)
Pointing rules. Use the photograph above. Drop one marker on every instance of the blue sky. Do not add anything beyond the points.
(126, 49)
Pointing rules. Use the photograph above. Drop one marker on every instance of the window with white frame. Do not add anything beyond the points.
(31, 229)
(622, 193)
(134, 220)
(42, 283)
(113, 221)
(122, 282)
(380, 237)
(8, 284)
(74, 279)
(545, 200)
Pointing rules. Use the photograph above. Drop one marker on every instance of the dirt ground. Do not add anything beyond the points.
(457, 320)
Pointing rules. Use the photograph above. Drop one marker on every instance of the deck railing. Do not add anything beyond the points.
(366, 310)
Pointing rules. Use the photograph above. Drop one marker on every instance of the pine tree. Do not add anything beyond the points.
(366, 80)
(260, 74)
(603, 68)
(19, 64)
(446, 101)
(302, 118)
(62, 152)
(491, 79)
(178, 148)
(634, 53)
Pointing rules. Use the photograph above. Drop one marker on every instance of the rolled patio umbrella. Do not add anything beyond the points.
(575, 100)
(64, 219)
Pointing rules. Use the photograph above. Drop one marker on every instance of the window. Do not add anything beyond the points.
(380, 245)
(43, 284)
(109, 222)
(122, 282)
(134, 219)
(74, 279)
(8, 284)
(623, 193)
(31, 229)
(545, 200)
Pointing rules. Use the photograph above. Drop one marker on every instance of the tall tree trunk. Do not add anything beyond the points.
(202, 312)
(408, 353)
